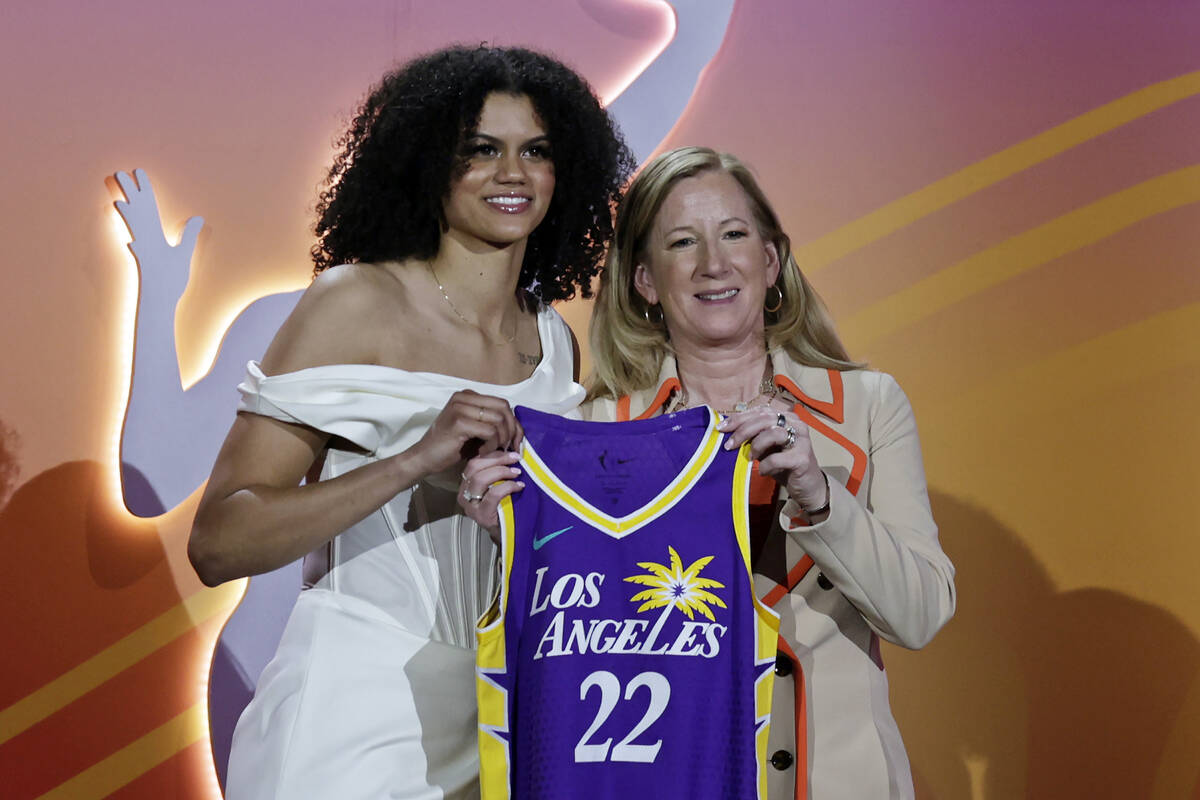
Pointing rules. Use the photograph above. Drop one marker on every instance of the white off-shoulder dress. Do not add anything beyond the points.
(371, 693)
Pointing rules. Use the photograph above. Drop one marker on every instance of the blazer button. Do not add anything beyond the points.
(824, 582)
(781, 760)
(783, 665)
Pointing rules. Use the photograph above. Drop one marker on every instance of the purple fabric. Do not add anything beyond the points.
(610, 700)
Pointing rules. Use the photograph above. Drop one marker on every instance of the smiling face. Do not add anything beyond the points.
(706, 262)
(505, 189)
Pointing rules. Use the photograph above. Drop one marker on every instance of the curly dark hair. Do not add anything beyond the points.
(383, 196)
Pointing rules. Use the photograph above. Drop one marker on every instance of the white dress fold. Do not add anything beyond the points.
(371, 692)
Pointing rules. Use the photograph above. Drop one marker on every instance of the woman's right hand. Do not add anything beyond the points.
(470, 424)
(487, 480)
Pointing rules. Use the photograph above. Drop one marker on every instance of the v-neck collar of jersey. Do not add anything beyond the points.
(620, 527)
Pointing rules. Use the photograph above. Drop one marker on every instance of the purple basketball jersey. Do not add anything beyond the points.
(627, 655)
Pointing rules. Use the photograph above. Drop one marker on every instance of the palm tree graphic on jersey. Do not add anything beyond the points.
(676, 587)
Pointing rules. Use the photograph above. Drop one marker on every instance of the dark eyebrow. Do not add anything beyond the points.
(495, 140)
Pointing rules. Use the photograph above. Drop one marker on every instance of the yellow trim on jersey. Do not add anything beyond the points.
(495, 612)
(494, 775)
(766, 629)
(619, 527)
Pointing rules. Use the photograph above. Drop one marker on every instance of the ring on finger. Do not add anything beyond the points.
(471, 498)
(791, 437)
(780, 420)
(481, 415)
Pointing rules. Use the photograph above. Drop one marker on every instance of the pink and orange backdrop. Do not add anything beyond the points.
(1000, 202)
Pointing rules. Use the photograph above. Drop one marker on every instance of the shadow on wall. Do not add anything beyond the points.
(1033, 692)
(78, 575)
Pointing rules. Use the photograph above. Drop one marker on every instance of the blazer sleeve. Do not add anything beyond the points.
(882, 551)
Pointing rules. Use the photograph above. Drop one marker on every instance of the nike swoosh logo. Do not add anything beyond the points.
(538, 541)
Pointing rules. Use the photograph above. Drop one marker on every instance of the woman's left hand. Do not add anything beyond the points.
(780, 443)
(487, 480)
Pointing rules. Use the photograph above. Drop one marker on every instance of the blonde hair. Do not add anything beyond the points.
(628, 348)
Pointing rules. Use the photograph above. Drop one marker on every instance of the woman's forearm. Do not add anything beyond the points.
(893, 571)
(260, 528)
(881, 549)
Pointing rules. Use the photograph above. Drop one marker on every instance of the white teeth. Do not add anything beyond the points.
(725, 295)
(508, 201)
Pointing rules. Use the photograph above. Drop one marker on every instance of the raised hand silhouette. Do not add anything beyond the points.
(164, 267)
(172, 433)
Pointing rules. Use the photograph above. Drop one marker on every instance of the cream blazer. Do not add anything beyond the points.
(872, 569)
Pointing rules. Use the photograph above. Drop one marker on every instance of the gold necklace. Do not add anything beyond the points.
(766, 388)
(458, 313)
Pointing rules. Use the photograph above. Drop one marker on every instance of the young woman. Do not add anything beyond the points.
(473, 188)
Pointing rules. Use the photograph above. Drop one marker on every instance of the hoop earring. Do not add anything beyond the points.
(655, 319)
(772, 306)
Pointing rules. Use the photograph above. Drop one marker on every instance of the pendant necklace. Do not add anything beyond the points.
(766, 388)
(458, 313)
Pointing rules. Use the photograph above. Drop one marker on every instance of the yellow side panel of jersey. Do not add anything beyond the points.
(766, 626)
(491, 660)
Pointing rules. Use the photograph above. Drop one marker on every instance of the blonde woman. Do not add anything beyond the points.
(701, 302)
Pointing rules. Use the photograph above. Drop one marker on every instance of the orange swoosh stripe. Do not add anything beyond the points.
(1157, 345)
(1025, 251)
(135, 759)
(822, 252)
(119, 656)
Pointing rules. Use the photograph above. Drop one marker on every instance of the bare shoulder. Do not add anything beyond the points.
(334, 319)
